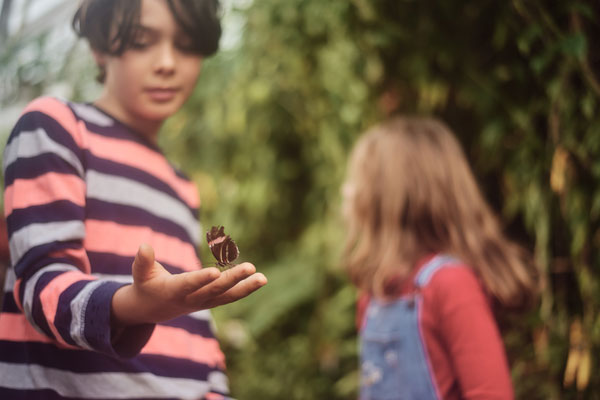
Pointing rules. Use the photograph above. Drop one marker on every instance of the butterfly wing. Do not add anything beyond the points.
(214, 233)
(221, 246)
(229, 251)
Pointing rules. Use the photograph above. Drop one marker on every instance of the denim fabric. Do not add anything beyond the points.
(394, 364)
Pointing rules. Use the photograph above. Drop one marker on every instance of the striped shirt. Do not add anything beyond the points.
(82, 192)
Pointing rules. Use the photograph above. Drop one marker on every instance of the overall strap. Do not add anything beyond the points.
(428, 270)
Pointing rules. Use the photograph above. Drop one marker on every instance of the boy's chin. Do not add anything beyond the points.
(160, 112)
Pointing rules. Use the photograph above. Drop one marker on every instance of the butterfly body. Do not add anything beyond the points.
(222, 247)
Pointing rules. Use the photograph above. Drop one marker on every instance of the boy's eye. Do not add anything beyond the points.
(139, 44)
(141, 39)
(186, 46)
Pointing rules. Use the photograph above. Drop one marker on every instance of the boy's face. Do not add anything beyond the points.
(151, 80)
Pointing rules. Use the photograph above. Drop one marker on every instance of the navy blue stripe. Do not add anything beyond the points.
(97, 324)
(32, 167)
(112, 264)
(180, 173)
(8, 303)
(57, 211)
(37, 257)
(35, 119)
(118, 130)
(133, 216)
(174, 367)
(63, 318)
(47, 394)
(83, 361)
(191, 325)
(18, 394)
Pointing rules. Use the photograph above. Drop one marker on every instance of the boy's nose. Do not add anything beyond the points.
(165, 61)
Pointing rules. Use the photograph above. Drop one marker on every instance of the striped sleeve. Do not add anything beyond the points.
(44, 204)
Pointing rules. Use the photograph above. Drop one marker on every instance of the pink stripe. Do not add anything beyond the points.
(52, 186)
(214, 396)
(16, 328)
(176, 342)
(78, 257)
(123, 240)
(16, 291)
(145, 159)
(50, 294)
(61, 113)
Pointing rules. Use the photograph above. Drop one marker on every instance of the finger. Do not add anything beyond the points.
(226, 281)
(241, 290)
(143, 263)
(237, 292)
(189, 282)
(231, 277)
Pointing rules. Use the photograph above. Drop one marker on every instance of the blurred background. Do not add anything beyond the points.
(268, 129)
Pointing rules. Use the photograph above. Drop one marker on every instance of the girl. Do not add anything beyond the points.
(86, 314)
(429, 254)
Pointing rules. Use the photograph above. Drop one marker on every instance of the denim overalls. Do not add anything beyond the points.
(394, 364)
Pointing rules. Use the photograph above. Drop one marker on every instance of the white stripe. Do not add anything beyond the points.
(218, 381)
(114, 278)
(30, 289)
(78, 310)
(202, 315)
(114, 385)
(120, 190)
(34, 143)
(34, 235)
(91, 114)
(10, 279)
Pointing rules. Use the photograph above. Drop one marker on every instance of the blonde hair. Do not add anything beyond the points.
(413, 194)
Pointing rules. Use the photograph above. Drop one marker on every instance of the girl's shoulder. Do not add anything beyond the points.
(442, 269)
(455, 283)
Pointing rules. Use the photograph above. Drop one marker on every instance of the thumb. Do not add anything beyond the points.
(143, 263)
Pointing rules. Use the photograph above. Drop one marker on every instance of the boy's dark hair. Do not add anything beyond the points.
(110, 25)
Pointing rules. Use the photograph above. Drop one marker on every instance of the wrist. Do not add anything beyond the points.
(125, 310)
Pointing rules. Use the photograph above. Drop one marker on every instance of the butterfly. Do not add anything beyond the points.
(222, 247)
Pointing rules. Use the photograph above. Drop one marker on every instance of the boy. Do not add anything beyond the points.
(86, 193)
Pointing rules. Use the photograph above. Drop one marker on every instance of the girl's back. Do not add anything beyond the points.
(410, 197)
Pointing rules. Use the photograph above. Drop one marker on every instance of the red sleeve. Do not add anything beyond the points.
(470, 336)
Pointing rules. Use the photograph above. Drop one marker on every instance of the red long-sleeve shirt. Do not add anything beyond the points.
(462, 340)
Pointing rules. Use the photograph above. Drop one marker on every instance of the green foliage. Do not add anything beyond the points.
(271, 124)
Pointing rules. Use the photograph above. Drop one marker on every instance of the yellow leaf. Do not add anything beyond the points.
(559, 169)
(584, 370)
(574, 358)
(571, 368)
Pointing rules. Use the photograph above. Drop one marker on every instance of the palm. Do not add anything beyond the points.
(157, 295)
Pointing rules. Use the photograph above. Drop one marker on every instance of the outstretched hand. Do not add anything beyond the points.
(157, 295)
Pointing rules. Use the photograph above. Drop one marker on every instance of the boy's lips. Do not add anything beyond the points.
(161, 94)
